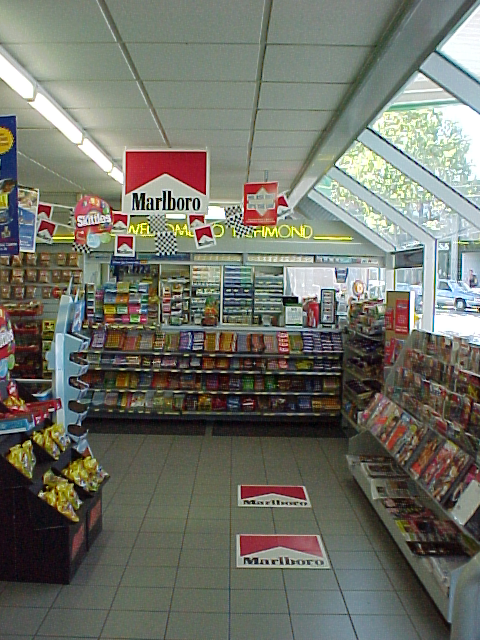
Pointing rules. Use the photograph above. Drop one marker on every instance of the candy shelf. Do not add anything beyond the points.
(428, 422)
(237, 302)
(195, 373)
(205, 287)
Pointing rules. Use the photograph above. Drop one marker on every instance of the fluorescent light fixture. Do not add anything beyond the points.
(215, 213)
(175, 216)
(16, 79)
(116, 174)
(48, 110)
(96, 155)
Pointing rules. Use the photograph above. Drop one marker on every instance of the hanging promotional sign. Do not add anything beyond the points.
(46, 230)
(44, 210)
(195, 220)
(9, 237)
(124, 246)
(167, 181)
(204, 237)
(93, 221)
(260, 203)
(27, 218)
(120, 222)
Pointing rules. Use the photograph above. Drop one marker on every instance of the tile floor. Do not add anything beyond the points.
(164, 565)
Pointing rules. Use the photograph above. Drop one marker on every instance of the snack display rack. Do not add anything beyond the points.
(175, 300)
(237, 303)
(206, 287)
(363, 361)
(48, 520)
(268, 294)
(27, 329)
(428, 424)
(195, 373)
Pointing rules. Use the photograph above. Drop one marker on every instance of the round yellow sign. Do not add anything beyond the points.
(6, 140)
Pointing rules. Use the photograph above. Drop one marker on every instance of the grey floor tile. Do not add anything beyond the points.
(209, 512)
(163, 525)
(346, 543)
(322, 627)
(373, 603)
(125, 511)
(204, 558)
(252, 526)
(20, 620)
(85, 597)
(417, 602)
(197, 626)
(347, 527)
(431, 627)
(116, 538)
(190, 578)
(201, 600)
(149, 577)
(380, 627)
(103, 575)
(316, 602)
(256, 579)
(321, 580)
(403, 579)
(158, 540)
(354, 560)
(258, 601)
(143, 598)
(108, 555)
(205, 500)
(208, 526)
(206, 541)
(148, 625)
(118, 522)
(154, 557)
(141, 498)
(75, 622)
(15, 594)
(246, 626)
(357, 580)
(167, 511)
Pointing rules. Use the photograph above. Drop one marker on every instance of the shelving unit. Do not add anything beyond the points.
(206, 285)
(268, 294)
(237, 303)
(27, 329)
(196, 373)
(175, 295)
(428, 423)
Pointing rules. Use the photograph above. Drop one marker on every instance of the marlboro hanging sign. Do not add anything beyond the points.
(260, 202)
(166, 181)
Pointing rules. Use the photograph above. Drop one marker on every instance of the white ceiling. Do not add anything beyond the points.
(202, 66)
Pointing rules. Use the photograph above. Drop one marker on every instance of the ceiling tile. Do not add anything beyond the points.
(113, 118)
(201, 95)
(92, 94)
(284, 138)
(30, 119)
(195, 62)
(291, 63)
(114, 141)
(286, 153)
(188, 20)
(276, 164)
(295, 95)
(47, 21)
(58, 61)
(271, 119)
(361, 22)
(205, 119)
(43, 144)
(192, 139)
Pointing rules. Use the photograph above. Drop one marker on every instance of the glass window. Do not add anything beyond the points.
(365, 214)
(463, 47)
(443, 286)
(438, 132)
(407, 196)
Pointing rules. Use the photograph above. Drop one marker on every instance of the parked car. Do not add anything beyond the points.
(456, 294)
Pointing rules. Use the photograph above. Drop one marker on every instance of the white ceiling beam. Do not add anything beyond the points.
(380, 205)
(352, 222)
(452, 79)
(422, 176)
(419, 31)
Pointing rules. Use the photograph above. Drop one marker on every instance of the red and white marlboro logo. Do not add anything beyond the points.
(120, 222)
(124, 246)
(253, 495)
(166, 180)
(281, 552)
(260, 202)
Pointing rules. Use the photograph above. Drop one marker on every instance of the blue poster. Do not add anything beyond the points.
(27, 218)
(9, 239)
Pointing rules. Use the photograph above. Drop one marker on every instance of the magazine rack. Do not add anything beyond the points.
(435, 385)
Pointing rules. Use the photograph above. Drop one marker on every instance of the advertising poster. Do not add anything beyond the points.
(124, 246)
(9, 240)
(260, 202)
(27, 218)
(402, 315)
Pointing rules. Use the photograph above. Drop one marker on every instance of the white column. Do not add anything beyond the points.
(429, 284)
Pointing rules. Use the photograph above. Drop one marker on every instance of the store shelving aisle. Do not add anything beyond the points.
(164, 565)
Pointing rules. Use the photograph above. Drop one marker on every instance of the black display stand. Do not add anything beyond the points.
(37, 542)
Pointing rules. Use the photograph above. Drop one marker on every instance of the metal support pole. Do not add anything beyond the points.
(429, 284)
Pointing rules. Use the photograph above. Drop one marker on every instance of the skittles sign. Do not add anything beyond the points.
(93, 221)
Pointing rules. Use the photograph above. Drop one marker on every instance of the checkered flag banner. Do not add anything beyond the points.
(165, 243)
(157, 223)
(234, 220)
(81, 248)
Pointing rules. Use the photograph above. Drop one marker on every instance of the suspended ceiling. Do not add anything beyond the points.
(258, 82)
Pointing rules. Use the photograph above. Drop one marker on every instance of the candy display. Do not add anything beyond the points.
(22, 457)
(86, 473)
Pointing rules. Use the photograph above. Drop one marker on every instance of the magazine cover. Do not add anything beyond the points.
(426, 451)
(397, 432)
(438, 463)
(444, 480)
(464, 501)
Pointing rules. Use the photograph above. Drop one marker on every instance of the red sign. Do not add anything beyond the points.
(272, 496)
(402, 315)
(166, 180)
(92, 216)
(44, 210)
(260, 202)
(281, 552)
(389, 320)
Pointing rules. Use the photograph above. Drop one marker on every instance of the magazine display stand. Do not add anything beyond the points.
(428, 424)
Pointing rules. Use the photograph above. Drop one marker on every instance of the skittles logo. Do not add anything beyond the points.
(93, 221)
(7, 345)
